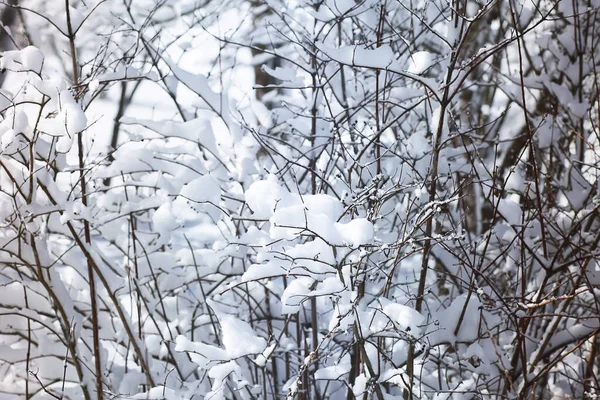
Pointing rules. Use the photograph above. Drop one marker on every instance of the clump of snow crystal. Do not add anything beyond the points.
(28, 59)
(204, 189)
(419, 62)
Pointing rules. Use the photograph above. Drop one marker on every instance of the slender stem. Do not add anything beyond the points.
(86, 224)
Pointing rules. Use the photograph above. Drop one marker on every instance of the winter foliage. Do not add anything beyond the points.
(299, 199)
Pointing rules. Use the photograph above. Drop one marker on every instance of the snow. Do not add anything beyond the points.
(405, 318)
(335, 371)
(219, 373)
(261, 359)
(261, 271)
(381, 57)
(360, 386)
(294, 295)
(28, 59)
(291, 215)
(325, 204)
(511, 211)
(417, 145)
(283, 74)
(207, 352)
(204, 189)
(239, 338)
(10, 141)
(156, 393)
(419, 62)
(67, 124)
(289, 222)
(163, 219)
(448, 319)
(357, 232)
(73, 116)
(263, 196)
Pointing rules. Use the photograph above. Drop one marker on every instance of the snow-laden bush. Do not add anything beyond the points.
(295, 199)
